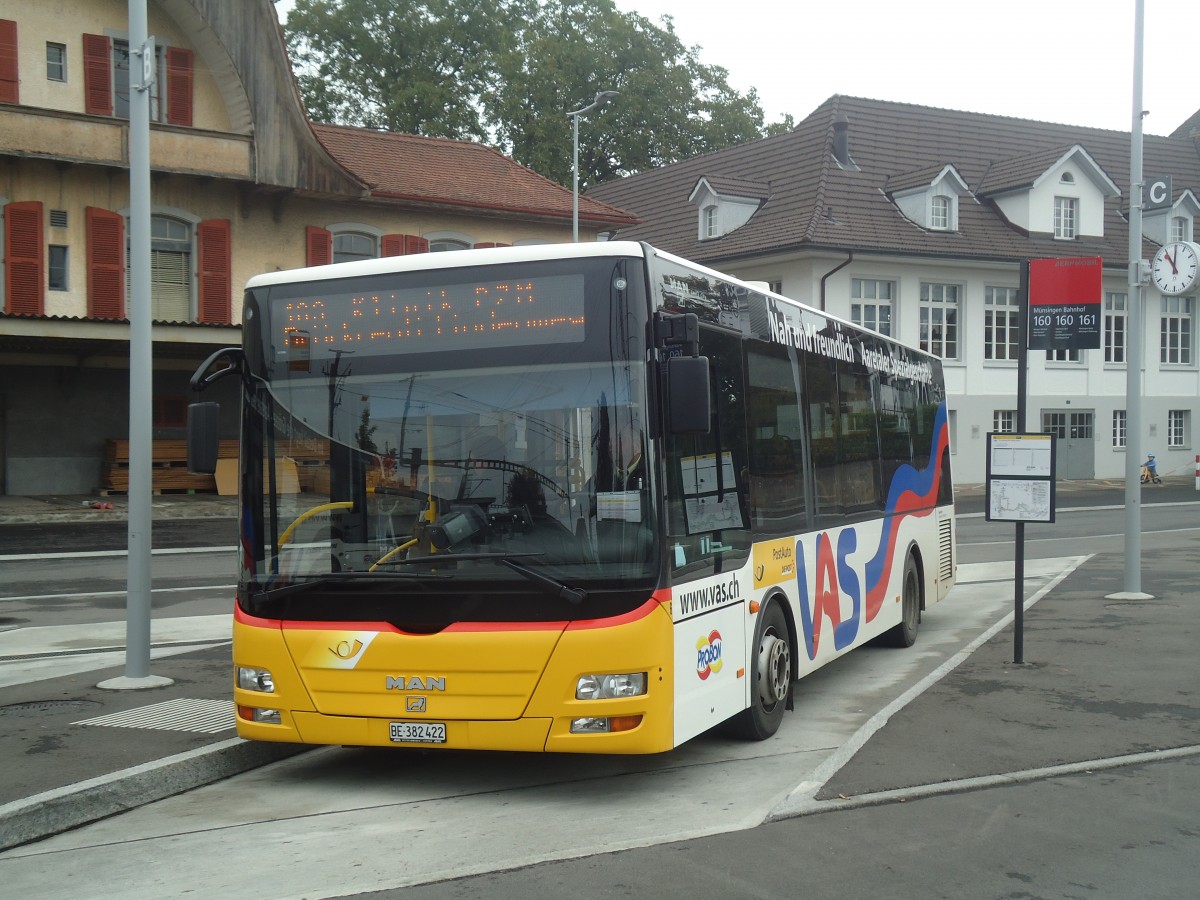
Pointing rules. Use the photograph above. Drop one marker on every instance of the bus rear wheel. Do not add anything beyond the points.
(772, 672)
(905, 634)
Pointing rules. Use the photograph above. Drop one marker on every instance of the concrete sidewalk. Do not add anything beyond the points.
(1104, 678)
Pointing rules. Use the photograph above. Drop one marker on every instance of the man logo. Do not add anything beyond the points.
(414, 704)
(415, 683)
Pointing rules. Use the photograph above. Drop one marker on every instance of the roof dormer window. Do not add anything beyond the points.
(1066, 215)
(725, 204)
(1180, 228)
(940, 214)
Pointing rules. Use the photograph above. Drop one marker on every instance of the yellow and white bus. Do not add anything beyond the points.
(579, 498)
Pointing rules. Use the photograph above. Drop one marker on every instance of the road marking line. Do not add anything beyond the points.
(802, 799)
(92, 554)
(813, 806)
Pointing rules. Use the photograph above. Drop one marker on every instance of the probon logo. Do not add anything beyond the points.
(708, 655)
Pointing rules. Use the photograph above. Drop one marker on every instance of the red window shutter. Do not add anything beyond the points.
(214, 266)
(319, 246)
(97, 75)
(391, 245)
(105, 264)
(10, 82)
(24, 275)
(415, 244)
(485, 244)
(179, 86)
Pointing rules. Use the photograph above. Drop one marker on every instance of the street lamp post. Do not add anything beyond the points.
(602, 99)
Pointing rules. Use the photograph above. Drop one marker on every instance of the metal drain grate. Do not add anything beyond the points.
(204, 716)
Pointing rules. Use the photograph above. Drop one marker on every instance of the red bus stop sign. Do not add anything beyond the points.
(1064, 303)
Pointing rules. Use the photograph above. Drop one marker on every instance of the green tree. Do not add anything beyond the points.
(507, 72)
(396, 65)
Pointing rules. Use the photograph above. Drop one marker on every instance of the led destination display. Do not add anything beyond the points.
(448, 317)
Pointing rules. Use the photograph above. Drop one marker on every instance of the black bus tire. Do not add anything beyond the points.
(905, 634)
(772, 673)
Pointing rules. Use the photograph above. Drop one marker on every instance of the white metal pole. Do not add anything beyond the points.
(575, 170)
(142, 68)
(1135, 350)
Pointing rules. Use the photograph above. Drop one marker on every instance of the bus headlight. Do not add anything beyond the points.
(252, 679)
(609, 687)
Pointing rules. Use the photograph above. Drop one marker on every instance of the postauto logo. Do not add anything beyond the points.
(708, 655)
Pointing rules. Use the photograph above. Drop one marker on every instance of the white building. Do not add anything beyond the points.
(915, 221)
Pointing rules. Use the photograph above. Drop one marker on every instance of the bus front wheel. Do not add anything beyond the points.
(772, 672)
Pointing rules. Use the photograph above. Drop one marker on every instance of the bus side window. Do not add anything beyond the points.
(777, 485)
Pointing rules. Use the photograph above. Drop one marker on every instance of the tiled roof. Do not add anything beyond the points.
(738, 187)
(815, 204)
(438, 171)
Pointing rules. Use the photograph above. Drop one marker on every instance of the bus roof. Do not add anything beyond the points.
(450, 259)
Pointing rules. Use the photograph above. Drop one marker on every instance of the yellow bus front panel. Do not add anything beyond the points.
(510, 687)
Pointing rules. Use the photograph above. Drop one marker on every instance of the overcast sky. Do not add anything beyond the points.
(1067, 61)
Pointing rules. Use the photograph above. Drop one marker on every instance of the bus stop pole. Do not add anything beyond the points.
(1019, 527)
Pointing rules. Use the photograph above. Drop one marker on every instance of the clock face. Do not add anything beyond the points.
(1175, 267)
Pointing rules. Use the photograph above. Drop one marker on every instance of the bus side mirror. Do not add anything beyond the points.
(689, 402)
(203, 437)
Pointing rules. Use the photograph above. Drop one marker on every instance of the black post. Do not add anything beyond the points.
(1019, 535)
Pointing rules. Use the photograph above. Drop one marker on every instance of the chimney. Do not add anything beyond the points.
(841, 141)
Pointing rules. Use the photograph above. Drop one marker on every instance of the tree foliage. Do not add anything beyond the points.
(507, 73)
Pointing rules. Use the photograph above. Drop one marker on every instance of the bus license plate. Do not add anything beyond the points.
(418, 732)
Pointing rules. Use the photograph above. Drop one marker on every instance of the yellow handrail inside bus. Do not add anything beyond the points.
(379, 562)
(304, 517)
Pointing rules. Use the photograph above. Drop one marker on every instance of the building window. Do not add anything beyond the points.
(1114, 327)
(709, 228)
(121, 64)
(56, 61)
(56, 268)
(349, 246)
(939, 214)
(1175, 331)
(1062, 355)
(1177, 428)
(1065, 217)
(1000, 323)
(443, 244)
(775, 287)
(1179, 228)
(939, 319)
(170, 269)
(1118, 428)
(871, 304)
(1004, 421)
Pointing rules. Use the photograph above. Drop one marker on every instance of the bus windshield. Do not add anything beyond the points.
(521, 473)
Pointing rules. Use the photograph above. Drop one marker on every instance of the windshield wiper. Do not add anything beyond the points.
(574, 596)
(259, 591)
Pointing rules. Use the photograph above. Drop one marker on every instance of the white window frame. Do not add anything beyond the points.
(56, 62)
(871, 304)
(941, 213)
(1180, 228)
(1178, 431)
(940, 308)
(1116, 326)
(1119, 432)
(1176, 332)
(1064, 355)
(1001, 323)
(708, 221)
(1066, 218)
(1004, 421)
